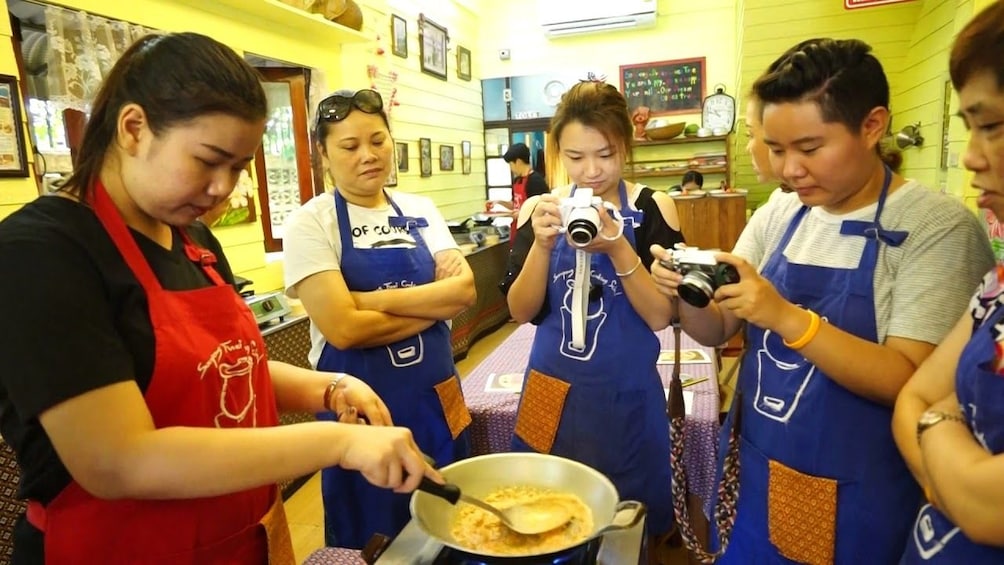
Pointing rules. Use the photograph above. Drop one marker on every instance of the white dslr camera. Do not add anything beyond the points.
(580, 217)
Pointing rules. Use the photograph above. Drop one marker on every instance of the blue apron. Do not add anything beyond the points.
(980, 388)
(403, 374)
(613, 414)
(821, 480)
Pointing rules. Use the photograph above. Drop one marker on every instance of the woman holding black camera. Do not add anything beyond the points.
(592, 392)
(847, 283)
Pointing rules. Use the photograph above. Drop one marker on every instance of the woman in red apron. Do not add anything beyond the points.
(841, 305)
(949, 419)
(137, 392)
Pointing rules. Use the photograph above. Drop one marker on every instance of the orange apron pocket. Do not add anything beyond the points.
(451, 396)
(802, 515)
(280, 544)
(540, 411)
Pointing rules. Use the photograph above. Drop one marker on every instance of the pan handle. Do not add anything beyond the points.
(627, 514)
(448, 492)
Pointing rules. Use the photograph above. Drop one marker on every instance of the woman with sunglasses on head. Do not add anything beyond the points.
(949, 419)
(599, 400)
(136, 388)
(842, 290)
(379, 274)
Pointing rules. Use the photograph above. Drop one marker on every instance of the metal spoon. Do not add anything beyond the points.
(533, 517)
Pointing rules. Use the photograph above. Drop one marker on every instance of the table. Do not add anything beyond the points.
(493, 414)
(493, 417)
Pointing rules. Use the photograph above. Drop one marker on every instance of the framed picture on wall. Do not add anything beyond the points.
(465, 157)
(392, 177)
(401, 148)
(399, 36)
(432, 43)
(425, 156)
(13, 154)
(463, 63)
(445, 157)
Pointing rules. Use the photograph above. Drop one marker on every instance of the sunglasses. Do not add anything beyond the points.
(336, 107)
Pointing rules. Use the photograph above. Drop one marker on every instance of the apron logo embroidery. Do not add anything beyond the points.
(233, 360)
(778, 395)
(595, 317)
(925, 534)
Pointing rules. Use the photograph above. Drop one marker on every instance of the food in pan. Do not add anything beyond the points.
(479, 530)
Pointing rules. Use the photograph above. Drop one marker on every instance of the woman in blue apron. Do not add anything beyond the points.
(833, 324)
(949, 419)
(592, 392)
(379, 274)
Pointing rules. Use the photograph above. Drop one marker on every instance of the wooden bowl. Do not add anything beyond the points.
(668, 131)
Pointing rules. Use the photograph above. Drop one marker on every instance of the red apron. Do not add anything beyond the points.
(209, 371)
(518, 198)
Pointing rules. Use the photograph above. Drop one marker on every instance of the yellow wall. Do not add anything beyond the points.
(446, 112)
(15, 192)
(772, 26)
(684, 29)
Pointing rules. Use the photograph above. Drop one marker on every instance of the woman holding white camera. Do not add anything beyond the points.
(592, 392)
(847, 283)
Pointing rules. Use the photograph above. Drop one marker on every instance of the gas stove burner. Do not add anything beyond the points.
(585, 554)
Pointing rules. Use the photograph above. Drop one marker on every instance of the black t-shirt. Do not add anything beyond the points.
(536, 185)
(653, 229)
(78, 320)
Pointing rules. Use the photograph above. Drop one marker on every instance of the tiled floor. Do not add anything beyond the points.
(304, 509)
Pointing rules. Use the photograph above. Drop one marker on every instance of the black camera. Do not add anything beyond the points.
(702, 275)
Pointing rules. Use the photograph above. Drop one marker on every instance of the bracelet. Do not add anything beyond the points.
(630, 271)
(330, 391)
(810, 333)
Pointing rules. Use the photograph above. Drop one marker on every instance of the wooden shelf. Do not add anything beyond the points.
(272, 13)
(680, 139)
(679, 173)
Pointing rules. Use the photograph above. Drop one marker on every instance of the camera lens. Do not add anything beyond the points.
(696, 289)
(581, 232)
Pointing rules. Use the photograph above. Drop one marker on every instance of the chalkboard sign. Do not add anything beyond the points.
(664, 87)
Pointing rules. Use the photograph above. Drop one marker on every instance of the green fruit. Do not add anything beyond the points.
(691, 128)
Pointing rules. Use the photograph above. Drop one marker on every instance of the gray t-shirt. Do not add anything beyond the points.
(922, 287)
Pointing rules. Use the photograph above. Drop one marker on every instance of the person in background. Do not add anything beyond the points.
(843, 294)
(136, 389)
(580, 399)
(527, 182)
(379, 275)
(692, 180)
(949, 418)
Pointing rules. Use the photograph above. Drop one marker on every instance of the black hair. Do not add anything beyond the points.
(175, 78)
(841, 75)
(323, 127)
(693, 176)
(517, 151)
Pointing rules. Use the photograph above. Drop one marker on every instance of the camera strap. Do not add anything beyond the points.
(580, 298)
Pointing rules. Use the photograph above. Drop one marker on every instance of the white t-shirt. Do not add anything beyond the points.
(921, 287)
(312, 244)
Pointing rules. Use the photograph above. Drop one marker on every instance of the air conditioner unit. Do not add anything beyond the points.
(572, 17)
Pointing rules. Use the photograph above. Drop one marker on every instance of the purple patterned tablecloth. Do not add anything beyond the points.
(494, 413)
(494, 417)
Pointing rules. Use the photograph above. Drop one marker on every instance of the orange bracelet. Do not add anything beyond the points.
(810, 333)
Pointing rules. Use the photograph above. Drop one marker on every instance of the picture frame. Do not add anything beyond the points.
(432, 44)
(425, 156)
(13, 151)
(392, 177)
(465, 157)
(239, 208)
(445, 157)
(946, 115)
(399, 36)
(401, 149)
(463, 63)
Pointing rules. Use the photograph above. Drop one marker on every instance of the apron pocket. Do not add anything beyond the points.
(280, 542)
(451, 396)
(540, 410)
(802, 515)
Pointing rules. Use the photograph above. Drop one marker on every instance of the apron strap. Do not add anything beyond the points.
(202, 257)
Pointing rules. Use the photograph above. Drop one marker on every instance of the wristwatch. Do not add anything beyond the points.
(931, 418)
